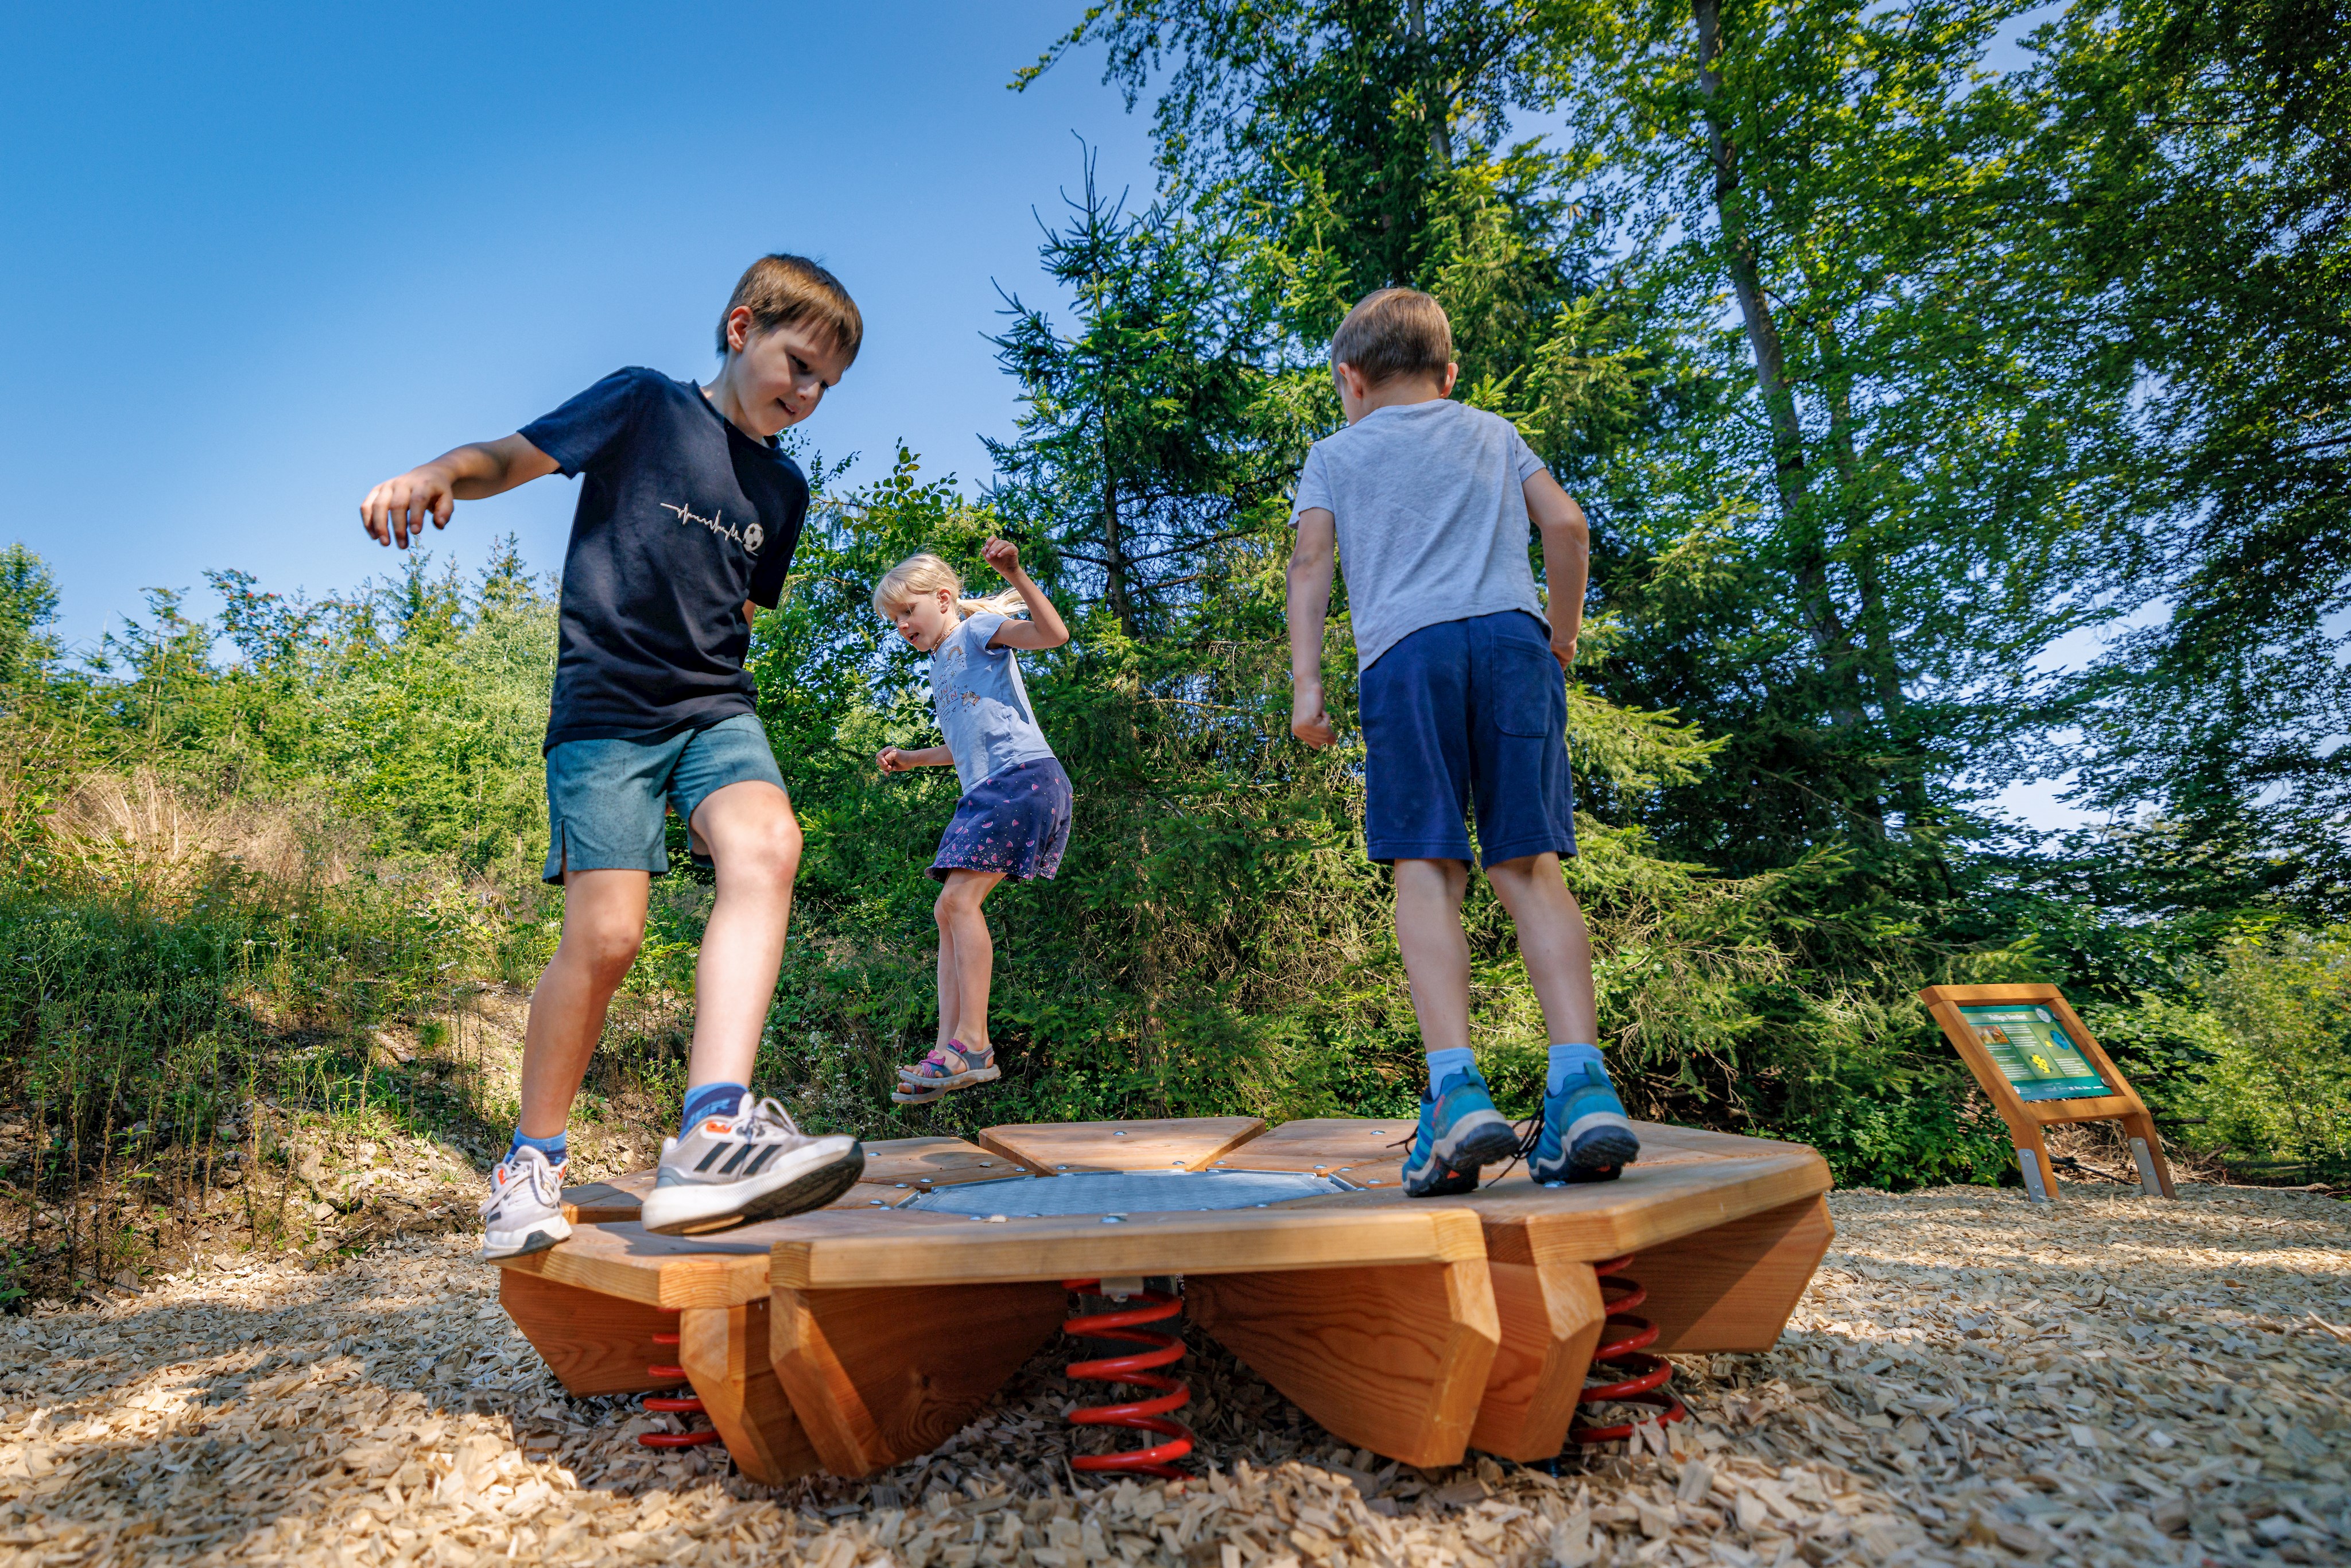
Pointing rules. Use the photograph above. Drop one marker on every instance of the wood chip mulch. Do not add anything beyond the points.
(1970, 1380)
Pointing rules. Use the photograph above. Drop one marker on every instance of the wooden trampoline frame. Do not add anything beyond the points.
(1415, 1328)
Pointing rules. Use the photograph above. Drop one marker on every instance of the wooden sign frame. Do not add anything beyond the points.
(2025, 1118)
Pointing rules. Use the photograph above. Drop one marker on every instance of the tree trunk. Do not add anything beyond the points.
(1114, 584)
(1434, 104)
(1808, 561)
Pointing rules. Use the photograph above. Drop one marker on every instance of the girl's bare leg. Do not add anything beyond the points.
(947, 985)
(963, 930)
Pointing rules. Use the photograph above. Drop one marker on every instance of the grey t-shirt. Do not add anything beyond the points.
(1433, 522)
(982, 706)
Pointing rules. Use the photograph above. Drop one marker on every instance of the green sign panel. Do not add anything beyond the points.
(2032, 1052)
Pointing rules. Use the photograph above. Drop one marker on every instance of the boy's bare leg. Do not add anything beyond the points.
(963, 926)
(751, 836)
(1436, 950)
(603, 926)
(1553, 943)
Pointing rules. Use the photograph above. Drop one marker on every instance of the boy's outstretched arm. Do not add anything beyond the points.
(1310, 610)
(1044, 627)
(394, 511)
(1567, 560)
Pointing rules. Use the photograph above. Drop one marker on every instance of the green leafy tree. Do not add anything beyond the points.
(28, 604)
(2189, 175)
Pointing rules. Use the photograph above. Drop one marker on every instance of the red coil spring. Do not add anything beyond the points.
(1142, 1415)
(674, 1405)
(1650, 1373)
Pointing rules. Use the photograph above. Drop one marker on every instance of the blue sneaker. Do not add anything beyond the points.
(1585, 1136)
(1459, 1131)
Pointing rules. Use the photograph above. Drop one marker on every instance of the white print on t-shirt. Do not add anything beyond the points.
(750, 538)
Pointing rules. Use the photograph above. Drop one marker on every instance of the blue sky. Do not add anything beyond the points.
(256, 258)
(259, 257)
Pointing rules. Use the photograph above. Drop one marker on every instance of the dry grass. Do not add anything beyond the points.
(142, 830)
(1970, 1380)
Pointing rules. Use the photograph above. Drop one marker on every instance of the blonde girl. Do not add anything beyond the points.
(1014, 817)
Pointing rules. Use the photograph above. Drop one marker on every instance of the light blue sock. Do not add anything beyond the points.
(1444, 1065)
(553, 1148)
(709, 1099)
(1566, 1058)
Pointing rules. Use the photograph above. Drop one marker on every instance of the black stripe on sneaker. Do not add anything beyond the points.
(765, 1156)
(728, 1168)
(712, 1155)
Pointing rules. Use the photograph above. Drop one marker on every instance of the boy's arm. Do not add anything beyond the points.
(1043, 629)
(1567, 558)
(395, 510)
(898, 760)
(1309, 609)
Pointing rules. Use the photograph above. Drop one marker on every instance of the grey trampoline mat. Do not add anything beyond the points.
(1124, 1192)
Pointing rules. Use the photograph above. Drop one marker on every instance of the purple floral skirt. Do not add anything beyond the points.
(1015, 821)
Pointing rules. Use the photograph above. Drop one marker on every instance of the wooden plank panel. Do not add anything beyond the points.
(1353, 1149)
(1189, 1243)
(593, 1344)
(1551, 1318)
(933, 1162)
(724, 1269)
(1649, 1203)
(1734, 1287)
(882, 1376)
(1393, 1359)
(1180, 1144)
(725, 1353)
(599, 1202)
(892, 1162)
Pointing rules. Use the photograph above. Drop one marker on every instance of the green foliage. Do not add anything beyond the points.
(28, 601)
(2187, 177)
(2278, 1088)
(1878, 372)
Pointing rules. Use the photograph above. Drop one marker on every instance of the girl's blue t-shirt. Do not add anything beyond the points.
(982, 706)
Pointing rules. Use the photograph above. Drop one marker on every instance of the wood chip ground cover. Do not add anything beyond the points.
(1970, 1380)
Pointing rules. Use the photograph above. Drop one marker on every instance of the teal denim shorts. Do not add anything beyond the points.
(605, 799)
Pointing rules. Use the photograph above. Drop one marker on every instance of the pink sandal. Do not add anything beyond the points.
(947, 1068)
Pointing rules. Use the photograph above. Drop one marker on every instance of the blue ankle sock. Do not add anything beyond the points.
(1444, 1064)
(553, 1148)
(1566, 1058)
(709, 1099)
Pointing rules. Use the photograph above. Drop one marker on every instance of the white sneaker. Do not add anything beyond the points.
(523, 1212)
(754, 1164)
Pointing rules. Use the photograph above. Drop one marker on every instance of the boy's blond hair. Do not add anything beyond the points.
(920, 576)
(780, 290)
(1394, 332)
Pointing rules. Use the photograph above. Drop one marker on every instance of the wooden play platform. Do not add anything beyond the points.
(1415, 1328)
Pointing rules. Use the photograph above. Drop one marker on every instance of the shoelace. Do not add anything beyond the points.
(546, 1185)
(768, 1118)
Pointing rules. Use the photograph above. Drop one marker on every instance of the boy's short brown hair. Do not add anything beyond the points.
(780, 290)
(1394, 332)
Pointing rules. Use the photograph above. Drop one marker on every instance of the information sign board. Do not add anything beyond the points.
(2032, 1052)
(2040, 1065)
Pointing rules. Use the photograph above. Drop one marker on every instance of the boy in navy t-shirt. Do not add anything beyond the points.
(687, 517)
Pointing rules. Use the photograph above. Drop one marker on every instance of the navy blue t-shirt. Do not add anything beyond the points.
(682, 517)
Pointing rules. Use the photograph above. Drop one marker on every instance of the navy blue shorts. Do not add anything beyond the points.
(1466, 715)
(606, 798)
(1015, 821)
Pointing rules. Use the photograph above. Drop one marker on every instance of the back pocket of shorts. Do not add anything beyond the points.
(1526, 691)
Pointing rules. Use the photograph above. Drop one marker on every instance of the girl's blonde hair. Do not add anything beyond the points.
(920, 576)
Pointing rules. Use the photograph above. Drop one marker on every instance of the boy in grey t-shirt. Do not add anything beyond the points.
(1428, 502)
